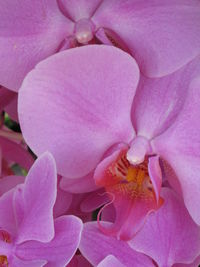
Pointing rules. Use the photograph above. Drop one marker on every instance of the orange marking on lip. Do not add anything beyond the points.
(134, 181)
(3, 261)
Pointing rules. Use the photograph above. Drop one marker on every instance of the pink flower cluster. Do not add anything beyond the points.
(107, 95)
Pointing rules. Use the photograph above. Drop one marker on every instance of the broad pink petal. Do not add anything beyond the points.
(162, 35)
(16, 262)
(95, 246)
(61, 249)
(193, 264)
(80, 185)
(34, 202)
(30, 31)
(180, 147)
(79, 9)
(7, 218)
(158, 101)
(88, 103)
(110, 261)
(163, 234)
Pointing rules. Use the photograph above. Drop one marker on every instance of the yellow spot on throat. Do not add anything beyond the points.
(136, 175)
(133, 181)
(3, 261)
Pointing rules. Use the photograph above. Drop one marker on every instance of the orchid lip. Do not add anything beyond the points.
(133, 191)
(3, 261)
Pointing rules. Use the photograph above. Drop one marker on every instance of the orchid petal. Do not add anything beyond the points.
(162, 236)
(159, 101)
(16, 262)
(162, 35)
(79, 9)
(34, 202)
(95, 246)
(155, 174)
(62, 247)
(80, 185)
(193, 264)
(7, 218)
(180, 147)
(110, 261)
(89, 104)
(30, 31)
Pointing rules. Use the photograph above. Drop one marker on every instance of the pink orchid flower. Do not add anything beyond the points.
(102, 125)
(96, 246)
(170, 237)
(110, 261)
(162, 35)
(29, 236)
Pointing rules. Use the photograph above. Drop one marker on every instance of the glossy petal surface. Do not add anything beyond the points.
(62, 247)
(95, 246)
(159, 101)
(29, 32)
(89, 105)
(79, 9)
(35, 200)
(162, 236)
(162, 35)
(110, 261)
(180, 146)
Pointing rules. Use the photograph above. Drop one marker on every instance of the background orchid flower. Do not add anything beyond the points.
(11, 153)
(170, 237)
(161, 35)
(100, 127)
(29, 236)
(110, 261)
(95, 247)
(193, 264)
